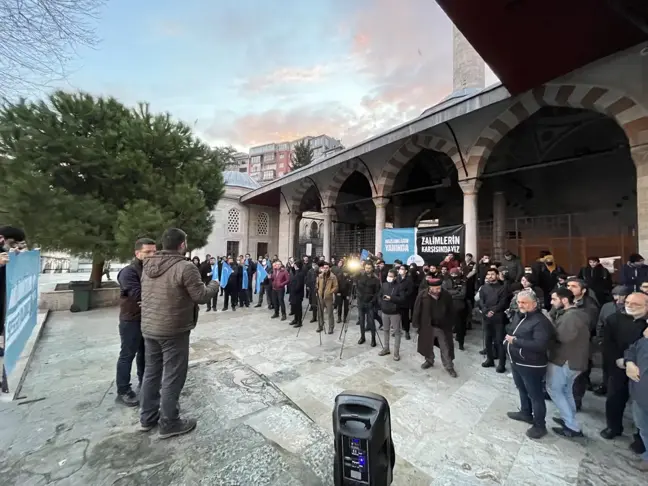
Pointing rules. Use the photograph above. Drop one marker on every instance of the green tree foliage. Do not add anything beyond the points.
(302, 155)
(89, 175)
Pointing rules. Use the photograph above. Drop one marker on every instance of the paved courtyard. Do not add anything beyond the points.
(253, 386)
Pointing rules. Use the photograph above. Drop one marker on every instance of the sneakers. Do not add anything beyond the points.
(178, 427)
(396, 356)
(129, 399)
(147, 427)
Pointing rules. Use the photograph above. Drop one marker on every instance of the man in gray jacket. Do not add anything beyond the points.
(568, 358)
(171, 291)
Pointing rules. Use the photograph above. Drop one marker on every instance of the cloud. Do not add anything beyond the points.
(282, 77)
(397, 63)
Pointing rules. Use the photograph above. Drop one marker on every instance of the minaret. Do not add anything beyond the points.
(468, 68)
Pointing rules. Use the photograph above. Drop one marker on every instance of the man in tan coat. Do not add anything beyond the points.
(171, 291)
(327, 287)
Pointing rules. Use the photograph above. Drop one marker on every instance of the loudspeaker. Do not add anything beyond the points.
(364, 449)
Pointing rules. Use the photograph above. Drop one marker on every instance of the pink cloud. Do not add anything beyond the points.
(402, 54)
(284, 76)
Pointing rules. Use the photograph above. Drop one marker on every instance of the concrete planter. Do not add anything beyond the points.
(61, 298)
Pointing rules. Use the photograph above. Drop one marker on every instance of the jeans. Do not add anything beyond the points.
(529, 383)
(366, 318)
(167, 361)
(494, 332)
(560, 386)
(279, 301)
(640, 417)
(132, 346)
(392, 321)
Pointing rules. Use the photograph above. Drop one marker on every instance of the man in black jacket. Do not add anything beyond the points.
(368, 287)
(530, 336)
(409, 289)
(345, 285)
(130, 323)
(493, 301)
(207, 275)
(622, 329)
(233, 286)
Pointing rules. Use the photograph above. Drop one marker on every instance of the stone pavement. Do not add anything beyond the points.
(69, 431)
(446, 431)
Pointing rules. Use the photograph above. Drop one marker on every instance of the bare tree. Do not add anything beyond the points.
(38, 38)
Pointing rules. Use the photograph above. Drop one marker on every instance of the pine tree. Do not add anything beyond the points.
(89, 176)
(302, 154)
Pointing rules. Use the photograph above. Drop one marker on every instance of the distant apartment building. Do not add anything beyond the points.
(273, 160)
(240, 162)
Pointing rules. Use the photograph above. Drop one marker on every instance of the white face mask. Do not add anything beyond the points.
(390, 279)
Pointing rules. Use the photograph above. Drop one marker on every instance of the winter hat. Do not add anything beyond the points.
(435, 282)
(621, 290)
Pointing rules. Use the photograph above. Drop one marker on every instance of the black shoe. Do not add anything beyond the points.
(461, 347)
(483, 352)
(330, 331)
(489, 363)
(233, 309)
(567, 432)
(600, 391)
(373, 342)
(520, 417)
(291, 313)
(179, 427)
(501, 368)
(208, 309)
(283, 318)
(427, 364)
(297, 324)
(536, 432)
(609, 434)
(224, 309)
(293, 322)
(452, 372)
(258, 305)
(559, 421)
(407, 335)
(637, 445)
(319, 329)
(275, 316)
(314, 319)
(129, 399)
(579, 404)
(339, 321)
(147, 427)
(362, 340)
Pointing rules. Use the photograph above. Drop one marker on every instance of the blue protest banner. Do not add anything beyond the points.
(364, 254)
(21, 310)
(226, 271)
(244, 283)
(260, 276)
(398, 244)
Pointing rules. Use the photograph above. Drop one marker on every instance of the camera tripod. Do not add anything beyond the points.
(345, 325)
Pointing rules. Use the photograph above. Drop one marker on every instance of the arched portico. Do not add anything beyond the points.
(630, 116)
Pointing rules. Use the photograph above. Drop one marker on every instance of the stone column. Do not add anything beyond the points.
(287, 229)
(296, 223)
(397, 207)
(326, 233)
(470, 191)
(381, 215)
(640, 157)
(499, 225)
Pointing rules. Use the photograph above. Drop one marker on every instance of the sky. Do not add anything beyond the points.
(248, 72)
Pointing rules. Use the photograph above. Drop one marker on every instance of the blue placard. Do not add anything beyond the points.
(364, 254)
(398, 244)
(21, 314)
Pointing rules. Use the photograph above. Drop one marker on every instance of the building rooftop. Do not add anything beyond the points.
(239, 179)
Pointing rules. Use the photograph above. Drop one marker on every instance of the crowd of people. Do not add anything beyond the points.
(549, 326)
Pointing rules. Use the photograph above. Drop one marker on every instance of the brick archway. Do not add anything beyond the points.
(407, 151)
(630, 115)
(349, 167)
